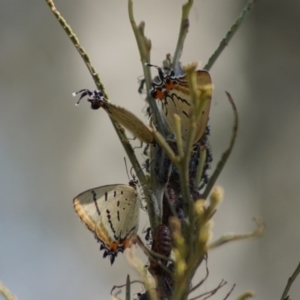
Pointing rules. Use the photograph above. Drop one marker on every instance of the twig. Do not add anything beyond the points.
(165, 146)
(184, 26)
(289, 283)
(67, 28)
(202, 158)
(4, 291)
(234, 28)
(236, 237)
(226, 154)
(212, 292)
(123, 285)
(204, 279)
(144, 46)
(229, 293)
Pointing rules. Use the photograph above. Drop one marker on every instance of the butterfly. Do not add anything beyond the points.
(174, 95)
(118, 113)
(111, 212)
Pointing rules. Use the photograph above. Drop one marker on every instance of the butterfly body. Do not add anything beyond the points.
(111, 212)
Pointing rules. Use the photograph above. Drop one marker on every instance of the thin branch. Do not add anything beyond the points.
(289, 283)
(202, 158)
(144, 46)
(165, 146)
(5, 292)
(67, 28)
(184, 26)
(234, 28)
(237, 237)
(204, 279)
(123, 285)
(229, 293)
(212, 292)
(226, 154)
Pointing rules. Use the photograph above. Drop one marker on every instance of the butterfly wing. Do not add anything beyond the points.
(203, 80)
(178, 101)
(130, 122)
(120, 114)
(111, 212)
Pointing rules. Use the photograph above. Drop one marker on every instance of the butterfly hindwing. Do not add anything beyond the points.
(112, 213)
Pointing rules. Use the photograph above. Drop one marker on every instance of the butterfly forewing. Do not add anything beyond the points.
(111, 212)
(123, 116)
(131, 122)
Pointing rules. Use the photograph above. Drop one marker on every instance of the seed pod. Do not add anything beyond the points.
(162, 244)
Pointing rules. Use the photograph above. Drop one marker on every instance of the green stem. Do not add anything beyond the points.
(234, 28)
(184, 27)
(144, 46)
(226, 154)
(67, 28)
(202, 158)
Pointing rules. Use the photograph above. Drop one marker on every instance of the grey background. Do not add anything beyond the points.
(51, 150)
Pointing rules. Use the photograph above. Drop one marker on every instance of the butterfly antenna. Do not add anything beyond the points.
(84, 92)
(159, 69)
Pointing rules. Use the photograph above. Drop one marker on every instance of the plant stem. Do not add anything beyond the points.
(226, 154)
(144, 46)
(234, 28)
(184, 27)
(289, 283)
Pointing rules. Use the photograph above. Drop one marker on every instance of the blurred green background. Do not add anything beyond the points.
(51, 150)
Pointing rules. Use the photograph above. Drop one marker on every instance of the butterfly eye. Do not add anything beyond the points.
(96, 98)
(94, 104)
